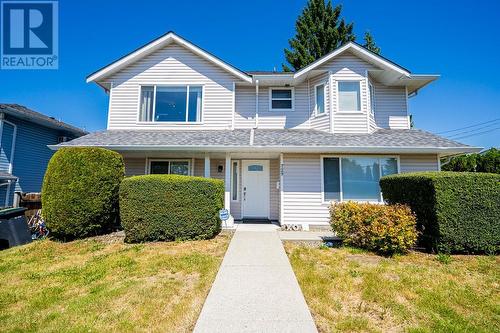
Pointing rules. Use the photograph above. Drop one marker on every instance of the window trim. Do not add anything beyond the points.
(325, 111)
(292, 89)
(237, 162)
(149, 160)
(337, 94)
(322, 157)
(176, 84)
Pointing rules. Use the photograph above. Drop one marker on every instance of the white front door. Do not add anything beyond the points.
(255, 189)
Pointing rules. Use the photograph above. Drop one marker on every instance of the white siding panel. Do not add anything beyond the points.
(302, 199)
(414, 163)
(245, 109)
(390, 106)
(134, 166)
(320, 122)
(171, 65)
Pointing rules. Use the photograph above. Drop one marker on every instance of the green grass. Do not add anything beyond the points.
(356, 291)
(99, 286)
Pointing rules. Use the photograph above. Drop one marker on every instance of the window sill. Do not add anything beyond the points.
(321, 115)
(166, 123)
(280, 110)
(349, 112)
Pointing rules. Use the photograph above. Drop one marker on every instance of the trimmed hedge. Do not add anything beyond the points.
(456, 211)
(379, 228)
(80, 192)
(170, 207)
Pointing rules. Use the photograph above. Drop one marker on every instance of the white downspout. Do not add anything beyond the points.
(256, 103)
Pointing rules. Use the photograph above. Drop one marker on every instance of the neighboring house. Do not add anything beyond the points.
(286, 144)
(24, 137)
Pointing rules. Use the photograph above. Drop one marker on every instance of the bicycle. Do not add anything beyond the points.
(37, 226)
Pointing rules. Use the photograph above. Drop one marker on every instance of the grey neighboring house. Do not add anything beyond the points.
(24, 155)
(285, 144)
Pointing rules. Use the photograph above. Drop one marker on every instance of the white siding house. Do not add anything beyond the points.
(286, 144)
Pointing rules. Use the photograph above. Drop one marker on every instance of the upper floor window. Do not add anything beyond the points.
(349, 96)
(171, 103)
(319, 92)
(280, 99)
(372, 98)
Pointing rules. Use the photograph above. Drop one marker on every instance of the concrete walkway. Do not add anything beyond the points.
(255, 289)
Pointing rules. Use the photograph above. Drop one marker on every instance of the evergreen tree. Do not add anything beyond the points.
(319, 30)
(370, 43)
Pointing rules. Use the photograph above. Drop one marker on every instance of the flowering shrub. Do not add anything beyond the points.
(380, 228)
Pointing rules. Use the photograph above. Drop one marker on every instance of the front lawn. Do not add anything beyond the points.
(104, 285)
(349, 290)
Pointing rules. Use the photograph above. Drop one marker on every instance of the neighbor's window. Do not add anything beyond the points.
(169, 167)
(355, 178)
(349, 96)
(281, 99)
(320, 99)
(171, 103)
(234, 180)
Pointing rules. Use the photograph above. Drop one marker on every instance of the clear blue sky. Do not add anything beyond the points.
(458, 39)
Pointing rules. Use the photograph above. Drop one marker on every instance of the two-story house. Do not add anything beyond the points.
(286, 144)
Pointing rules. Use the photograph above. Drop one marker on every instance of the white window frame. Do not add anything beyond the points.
(179, 84)
(292, 89)
(169, 160)
(237, 180)
(337, 94)
(371, 95)
(341, 198)
(325, 111)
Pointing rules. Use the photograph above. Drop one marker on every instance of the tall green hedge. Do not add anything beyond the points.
(80, 192)
(170, 207)
(456, 211)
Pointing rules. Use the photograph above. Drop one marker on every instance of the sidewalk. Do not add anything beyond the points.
(255, 289)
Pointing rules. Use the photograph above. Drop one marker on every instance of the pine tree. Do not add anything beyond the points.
(370, 43)
(319, 30)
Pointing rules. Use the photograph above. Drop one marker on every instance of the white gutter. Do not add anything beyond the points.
(289, 149)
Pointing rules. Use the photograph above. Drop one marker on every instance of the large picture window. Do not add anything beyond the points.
(171, 103)
(169, 167)
(355, 178)
(349, 96)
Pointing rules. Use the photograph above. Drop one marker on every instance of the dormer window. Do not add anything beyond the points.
(178, 104)
(281, 99)
(349, 96)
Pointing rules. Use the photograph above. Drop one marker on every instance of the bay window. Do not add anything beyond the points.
(171, 103)
(349, 96)
(319, 92)
(355, 178)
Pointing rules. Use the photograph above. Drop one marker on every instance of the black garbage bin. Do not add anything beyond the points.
(13, 227)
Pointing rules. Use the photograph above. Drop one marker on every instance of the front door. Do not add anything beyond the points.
(255, 189)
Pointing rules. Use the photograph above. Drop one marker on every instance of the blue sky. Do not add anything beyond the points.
(459, 40)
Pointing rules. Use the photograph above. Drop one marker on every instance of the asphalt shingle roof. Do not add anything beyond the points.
(383, 138)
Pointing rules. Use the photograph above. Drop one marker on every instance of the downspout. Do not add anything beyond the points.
(256, 103)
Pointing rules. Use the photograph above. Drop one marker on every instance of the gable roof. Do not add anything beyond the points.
(23, 112)
(158, 43)
(359, 50)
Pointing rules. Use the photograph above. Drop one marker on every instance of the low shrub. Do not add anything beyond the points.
(456, 211)
(80, 192)
(379, 228)
(170, 207)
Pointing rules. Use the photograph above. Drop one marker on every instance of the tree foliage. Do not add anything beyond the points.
(488, 161)
(370, 43)
(319, 29)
